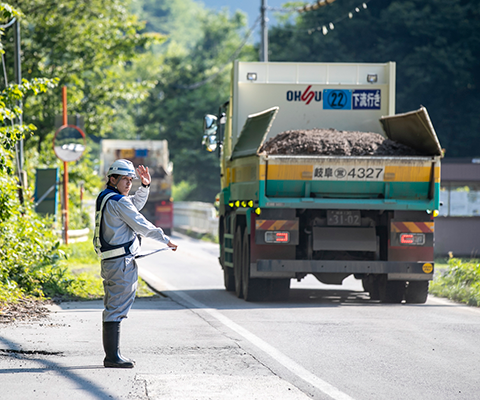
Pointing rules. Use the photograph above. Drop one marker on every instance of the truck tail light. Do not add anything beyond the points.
(412, 239)
(277, 237)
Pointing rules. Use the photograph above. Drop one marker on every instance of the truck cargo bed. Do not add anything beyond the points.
(368, 182)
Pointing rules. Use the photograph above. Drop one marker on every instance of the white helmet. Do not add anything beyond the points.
(122, 167)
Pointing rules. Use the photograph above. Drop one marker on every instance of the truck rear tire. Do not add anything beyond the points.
(228, 279)
(391, 291)
(253, 289)
(417, 292)
(221, 241)
(237, 261)
(279, 289)
(371, 284)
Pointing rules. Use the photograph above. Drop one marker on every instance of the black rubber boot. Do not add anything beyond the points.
(111, 340)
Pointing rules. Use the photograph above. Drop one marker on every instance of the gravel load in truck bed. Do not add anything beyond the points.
(334, 142)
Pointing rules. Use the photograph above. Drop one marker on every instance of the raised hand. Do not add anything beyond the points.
(144, 174)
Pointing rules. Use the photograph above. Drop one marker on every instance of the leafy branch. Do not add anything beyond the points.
(10, 111)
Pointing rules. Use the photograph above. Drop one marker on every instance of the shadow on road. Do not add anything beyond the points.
(47, 364)
(222, 300)
(299, 298)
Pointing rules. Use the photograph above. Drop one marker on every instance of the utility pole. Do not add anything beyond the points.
(18, 79)
(264, 42)
(65, 172)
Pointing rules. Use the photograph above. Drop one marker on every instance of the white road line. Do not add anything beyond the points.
(287, 362)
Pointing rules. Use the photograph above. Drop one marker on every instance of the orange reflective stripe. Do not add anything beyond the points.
(417, 227)
(276, 225)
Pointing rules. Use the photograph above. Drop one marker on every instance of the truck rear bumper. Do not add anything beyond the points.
(396, 270)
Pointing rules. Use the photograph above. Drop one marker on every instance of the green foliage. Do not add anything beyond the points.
(81, 254)
(10, 111)
(79, 218)
(8, 203)
(29, 248)
(9, 294)
(460, 282)
(178, 20)
(33, 263)
(434, 44)
(182, 190)
(85, 45)
(204, 237)
(191, 83)
(82, 175)
(83, 267)
(80, 172)
(7, 12)
(10, 99)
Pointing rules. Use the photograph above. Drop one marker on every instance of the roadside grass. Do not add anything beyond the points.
(205, 237)
(83, 266)
(458, 280)
(441, 264)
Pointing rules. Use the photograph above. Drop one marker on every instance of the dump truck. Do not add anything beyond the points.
(154, 155)
(285, 216)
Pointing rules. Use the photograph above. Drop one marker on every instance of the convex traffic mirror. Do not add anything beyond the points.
(69, 143)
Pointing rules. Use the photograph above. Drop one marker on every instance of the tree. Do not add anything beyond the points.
(433, 43)
(179, 21)
(28, 246)
(10, 131)
(191, 83)
(80, 43)
(85, 46)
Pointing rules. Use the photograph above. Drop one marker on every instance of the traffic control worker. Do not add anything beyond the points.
(117, 223)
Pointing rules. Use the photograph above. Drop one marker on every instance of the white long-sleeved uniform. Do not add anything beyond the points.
(122, 219)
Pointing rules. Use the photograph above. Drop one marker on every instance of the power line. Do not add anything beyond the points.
(323, 28)
(306, 8)
(330, 26)
(318, 4)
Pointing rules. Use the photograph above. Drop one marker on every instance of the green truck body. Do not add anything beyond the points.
(283, 217)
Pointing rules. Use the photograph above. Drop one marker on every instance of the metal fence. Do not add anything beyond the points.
(195, 216)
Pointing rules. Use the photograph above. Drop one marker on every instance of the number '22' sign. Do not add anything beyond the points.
(336, 99)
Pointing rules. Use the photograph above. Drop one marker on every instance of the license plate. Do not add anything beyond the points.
(343, 218)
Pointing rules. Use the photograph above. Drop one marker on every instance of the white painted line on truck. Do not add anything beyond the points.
(281, 358)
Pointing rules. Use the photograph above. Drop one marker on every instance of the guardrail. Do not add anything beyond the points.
(76, 235)
(195, 216)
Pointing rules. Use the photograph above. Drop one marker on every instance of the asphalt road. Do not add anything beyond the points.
(329, 341)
